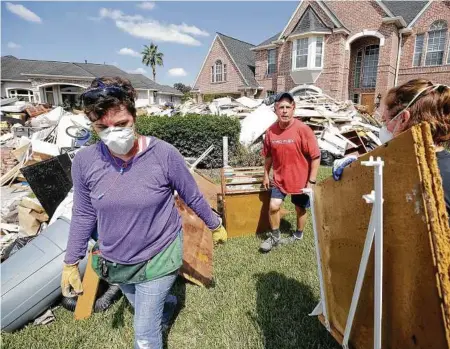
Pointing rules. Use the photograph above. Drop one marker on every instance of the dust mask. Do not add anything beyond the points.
(385, 135)
(119, 140)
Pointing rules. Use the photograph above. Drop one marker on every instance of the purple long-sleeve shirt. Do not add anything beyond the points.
(135, 211)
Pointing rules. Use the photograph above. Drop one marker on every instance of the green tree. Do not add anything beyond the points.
(182, 87)
(151, 57)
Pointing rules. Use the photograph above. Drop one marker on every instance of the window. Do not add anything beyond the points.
(307, 53)
(436, 43)
(270, 93)
(70, 95)
(358, 63)
(356, 98)
(301, 57)
(219, 72)
(319, 50)
(271, 61)
(370, 66)
(418, 50)
(22, 95)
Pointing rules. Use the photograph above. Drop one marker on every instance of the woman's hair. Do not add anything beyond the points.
(106, 93)
(432, 106)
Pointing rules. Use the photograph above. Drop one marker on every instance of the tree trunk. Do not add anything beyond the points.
(154, 74)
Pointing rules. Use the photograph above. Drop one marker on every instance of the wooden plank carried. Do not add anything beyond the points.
(416, 247)
(86, 301)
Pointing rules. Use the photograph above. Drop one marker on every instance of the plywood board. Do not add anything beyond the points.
(247, 213)
(416, 247)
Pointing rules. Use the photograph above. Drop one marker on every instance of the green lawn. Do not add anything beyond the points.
(258, 301)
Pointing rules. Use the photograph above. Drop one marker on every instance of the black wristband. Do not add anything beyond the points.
(312, 182)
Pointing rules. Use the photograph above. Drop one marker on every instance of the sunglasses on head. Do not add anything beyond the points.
(91, 96)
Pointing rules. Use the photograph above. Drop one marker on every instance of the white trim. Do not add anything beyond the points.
(290, 19)
(204, 62)
(234, 62)
(426, 48)
(384, 8)
(265, 47)
(330, 14)
(341, 30)
(59, 83)
(60, 76)
(419, 14)
(398, 21)
(362, 34)
(302, 35)
(9, 80)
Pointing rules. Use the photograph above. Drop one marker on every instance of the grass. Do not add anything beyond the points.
(258, 301)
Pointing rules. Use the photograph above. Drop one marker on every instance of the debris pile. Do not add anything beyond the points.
(340, 127)
(226, 106)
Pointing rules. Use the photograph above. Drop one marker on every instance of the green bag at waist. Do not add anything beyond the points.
(165, 262)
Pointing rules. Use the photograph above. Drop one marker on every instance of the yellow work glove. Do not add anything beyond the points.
(71, 278)
(219, 235)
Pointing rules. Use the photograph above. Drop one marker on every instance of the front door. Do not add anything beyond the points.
(368, 99)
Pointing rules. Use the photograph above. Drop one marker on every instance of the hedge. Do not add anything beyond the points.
(192, 134)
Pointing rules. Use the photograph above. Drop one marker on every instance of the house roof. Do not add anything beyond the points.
(269, 40)
(13, 69)
(242, 56)
(310, 22)
(406, 9)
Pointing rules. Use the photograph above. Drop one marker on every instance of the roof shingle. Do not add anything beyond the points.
(242, 56)
(309, 22)
(406, 9)
(14, 69)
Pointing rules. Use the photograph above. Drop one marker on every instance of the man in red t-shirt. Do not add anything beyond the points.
(291, 148)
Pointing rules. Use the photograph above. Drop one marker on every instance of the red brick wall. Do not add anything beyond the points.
(234, 79)
(268, 82)
(437, 10)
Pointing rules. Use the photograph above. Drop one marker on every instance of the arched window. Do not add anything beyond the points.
(437, 36)
(219, 72)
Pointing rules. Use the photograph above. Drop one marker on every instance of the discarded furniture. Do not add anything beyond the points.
(415, 311)
(31, 277)
(245, 202)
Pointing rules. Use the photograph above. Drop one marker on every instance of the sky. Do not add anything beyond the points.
(115, 32)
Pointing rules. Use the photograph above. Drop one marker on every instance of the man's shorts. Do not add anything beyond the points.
(299, 200)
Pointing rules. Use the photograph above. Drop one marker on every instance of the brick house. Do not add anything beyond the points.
(350, 49)
(228, 69)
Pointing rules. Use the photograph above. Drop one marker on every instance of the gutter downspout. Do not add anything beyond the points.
(399, 53)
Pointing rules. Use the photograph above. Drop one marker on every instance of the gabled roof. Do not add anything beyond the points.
(244, 59)
(406, 9)
(14, 69)
(310, 22)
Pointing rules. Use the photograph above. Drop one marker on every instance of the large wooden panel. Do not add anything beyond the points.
(416, 246)
(247, 213)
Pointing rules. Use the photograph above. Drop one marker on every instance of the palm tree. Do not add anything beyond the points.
(151, 57)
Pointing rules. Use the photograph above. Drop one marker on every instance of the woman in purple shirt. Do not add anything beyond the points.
(124, 186)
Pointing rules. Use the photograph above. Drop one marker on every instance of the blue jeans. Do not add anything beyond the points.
(147, 299)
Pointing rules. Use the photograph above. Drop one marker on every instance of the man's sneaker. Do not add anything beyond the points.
(269, 243)
(297, 236)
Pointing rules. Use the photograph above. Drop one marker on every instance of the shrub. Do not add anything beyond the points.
(192, 134)
(244, 157)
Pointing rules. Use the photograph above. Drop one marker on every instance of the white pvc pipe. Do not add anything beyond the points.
(378, 252)
(318, 258)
